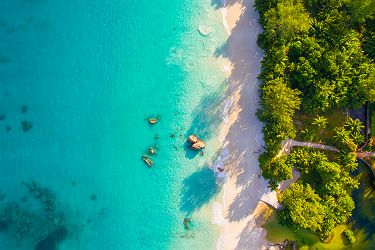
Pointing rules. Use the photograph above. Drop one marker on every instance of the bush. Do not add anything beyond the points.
(349, 236)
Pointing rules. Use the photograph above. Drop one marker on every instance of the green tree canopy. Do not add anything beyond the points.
(279, 104)
(287, 19)
(303, 207)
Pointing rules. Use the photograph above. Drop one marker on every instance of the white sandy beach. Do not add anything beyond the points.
(241, 206)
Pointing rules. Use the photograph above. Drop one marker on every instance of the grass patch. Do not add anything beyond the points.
(307, 240)
(304, 238)
(306, 131)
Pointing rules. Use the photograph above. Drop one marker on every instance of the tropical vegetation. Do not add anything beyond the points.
(319, 59)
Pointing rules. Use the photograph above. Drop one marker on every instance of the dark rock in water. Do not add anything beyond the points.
(24, 109)
(2, 117)
(49, 205)
(24, 198)
(31, 186)
(3, 225)
(151, 151)
(147, 160)
(187, 222)
(8, 128)
(52, 240)
(94, 197)
(26, 125)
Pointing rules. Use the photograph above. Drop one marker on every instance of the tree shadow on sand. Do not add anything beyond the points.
(246, 201)
(198, 189)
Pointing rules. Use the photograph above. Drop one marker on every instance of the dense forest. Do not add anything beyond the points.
(319, 59)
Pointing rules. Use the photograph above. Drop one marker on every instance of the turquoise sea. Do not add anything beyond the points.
(78, 80)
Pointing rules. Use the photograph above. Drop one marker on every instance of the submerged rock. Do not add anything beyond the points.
(151, 151)
(57, 221)
(26, 125)
(3, 225)
(187, 222)
(147, 160)
(2, 117)
(52, 240)
(24, 109)
(8, 128)
(94, 197)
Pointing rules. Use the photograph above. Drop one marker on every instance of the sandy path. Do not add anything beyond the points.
(242, 209)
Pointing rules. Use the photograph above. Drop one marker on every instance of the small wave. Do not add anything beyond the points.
(224, 12)
(205, 30)
(217, 214)
(219, 243)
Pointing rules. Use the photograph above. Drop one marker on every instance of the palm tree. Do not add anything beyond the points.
(354, 127)
(320, 122)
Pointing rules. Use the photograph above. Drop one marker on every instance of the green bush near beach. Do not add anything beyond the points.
(318, 62)
(349, 235)
(319, 200)
(361, 223)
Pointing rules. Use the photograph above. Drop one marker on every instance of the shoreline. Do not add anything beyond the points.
(240, 206)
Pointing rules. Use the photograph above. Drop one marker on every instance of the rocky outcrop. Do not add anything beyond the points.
(147, 160)
(196, 143)
(151, 151)
(192, 139)
(26, 125)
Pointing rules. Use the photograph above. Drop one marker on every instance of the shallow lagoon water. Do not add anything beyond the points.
(90, 74)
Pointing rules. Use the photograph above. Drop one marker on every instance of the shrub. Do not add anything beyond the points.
(349, 236)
